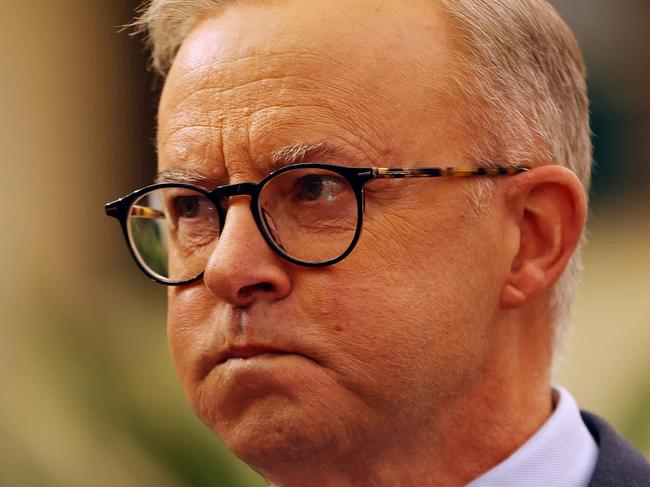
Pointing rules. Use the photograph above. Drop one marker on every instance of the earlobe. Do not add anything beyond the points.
(525, 282)
(512, 297)
(547, 209)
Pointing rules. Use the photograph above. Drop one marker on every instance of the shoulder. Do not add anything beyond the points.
(618, 462)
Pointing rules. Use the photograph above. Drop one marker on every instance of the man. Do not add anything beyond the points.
(414, 352)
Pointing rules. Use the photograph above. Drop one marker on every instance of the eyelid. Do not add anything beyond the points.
(173, 194)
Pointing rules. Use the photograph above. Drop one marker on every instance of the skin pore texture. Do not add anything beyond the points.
(421, 359)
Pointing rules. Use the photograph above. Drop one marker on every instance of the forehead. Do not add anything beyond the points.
(256, 78)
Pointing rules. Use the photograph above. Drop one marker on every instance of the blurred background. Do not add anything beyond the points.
(90, 397)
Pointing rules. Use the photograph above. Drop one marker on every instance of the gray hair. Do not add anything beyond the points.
(520, 73)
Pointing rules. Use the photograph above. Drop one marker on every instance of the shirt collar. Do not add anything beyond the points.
(561, 453)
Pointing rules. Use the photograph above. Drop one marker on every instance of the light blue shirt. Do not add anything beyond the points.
(562, 453)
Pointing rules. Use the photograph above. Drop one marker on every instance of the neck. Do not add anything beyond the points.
(464, 436)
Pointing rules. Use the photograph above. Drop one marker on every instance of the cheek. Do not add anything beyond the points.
(407, 307)
(190, 328)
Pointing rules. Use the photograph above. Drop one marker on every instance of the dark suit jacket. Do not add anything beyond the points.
(619, 464)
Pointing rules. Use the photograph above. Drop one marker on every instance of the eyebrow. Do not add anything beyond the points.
(294, 153)
(191, 176)
(291, 154)
(324, 151)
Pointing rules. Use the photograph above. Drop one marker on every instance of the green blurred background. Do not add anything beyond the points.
(89, 394)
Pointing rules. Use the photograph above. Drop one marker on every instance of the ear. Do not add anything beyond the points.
(547, 210)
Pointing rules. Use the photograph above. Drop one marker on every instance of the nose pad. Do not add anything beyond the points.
(242, 267)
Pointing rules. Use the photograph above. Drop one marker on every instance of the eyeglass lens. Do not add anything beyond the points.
(310, 214)
(173, 232)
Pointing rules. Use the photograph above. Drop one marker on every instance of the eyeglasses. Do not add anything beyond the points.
(309, 214)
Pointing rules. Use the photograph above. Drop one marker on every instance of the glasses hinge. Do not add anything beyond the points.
(112, 209)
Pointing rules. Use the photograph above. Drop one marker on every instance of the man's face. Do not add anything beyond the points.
(383, 342)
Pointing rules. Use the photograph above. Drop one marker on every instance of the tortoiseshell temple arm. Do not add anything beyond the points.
(436, 172)
(146, 212)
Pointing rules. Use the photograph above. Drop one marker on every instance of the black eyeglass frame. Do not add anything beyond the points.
(356, 177)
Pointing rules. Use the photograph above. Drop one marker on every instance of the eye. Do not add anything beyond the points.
(311, 187)
(315, 187)
(193, 220)
(187, 206)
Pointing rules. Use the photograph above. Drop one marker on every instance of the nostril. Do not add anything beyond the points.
(248, 291)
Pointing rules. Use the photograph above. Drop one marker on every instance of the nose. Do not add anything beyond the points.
(242, 267)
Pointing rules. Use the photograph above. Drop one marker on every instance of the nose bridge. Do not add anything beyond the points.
(242, 267)
(238, 189)
(223, 194)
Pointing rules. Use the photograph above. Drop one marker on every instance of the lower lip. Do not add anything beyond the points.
(253, 358)
(263, 363)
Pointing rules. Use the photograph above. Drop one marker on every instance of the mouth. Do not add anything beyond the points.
(233, 354)
(247, 352)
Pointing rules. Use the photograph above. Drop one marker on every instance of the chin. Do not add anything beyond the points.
(274, 431)
(288, 422)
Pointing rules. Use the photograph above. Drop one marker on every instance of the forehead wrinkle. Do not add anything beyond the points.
(193, 155)
(220, 76)
(354, 145)
(275, 63)
(225, 76)
(179, 128)
(350, 108)
(187, 148)
(211, 91)
(200, 105)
